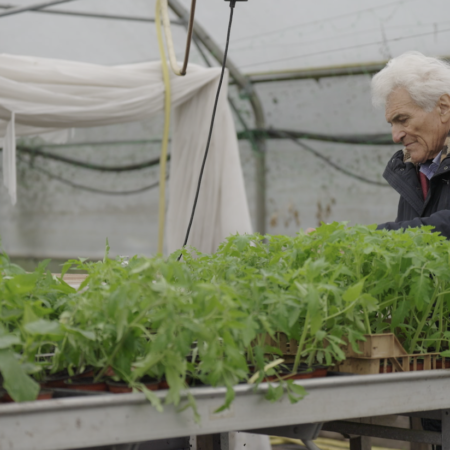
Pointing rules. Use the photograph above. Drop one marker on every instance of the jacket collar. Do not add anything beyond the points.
(445, 151)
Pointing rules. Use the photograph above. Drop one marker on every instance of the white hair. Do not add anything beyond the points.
(426, 79)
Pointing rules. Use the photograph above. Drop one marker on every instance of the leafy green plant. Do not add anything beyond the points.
(217, 319)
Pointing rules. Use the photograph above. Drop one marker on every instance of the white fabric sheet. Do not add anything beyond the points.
(40, 95)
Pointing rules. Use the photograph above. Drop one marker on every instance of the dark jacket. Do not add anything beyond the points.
(413, 210)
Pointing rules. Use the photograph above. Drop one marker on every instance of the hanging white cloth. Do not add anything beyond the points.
(40, 95)
(9, 159)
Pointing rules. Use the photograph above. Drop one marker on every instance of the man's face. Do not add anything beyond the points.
(422, 133)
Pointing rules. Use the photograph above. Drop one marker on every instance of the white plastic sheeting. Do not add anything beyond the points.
(43, 95)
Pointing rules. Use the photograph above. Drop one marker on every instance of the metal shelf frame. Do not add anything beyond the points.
(82, 422)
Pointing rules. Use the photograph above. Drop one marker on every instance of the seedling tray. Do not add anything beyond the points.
(383, 353)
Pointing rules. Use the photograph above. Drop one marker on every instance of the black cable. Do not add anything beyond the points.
(88, 188)
(334, 165)
(90, 166)
(232, 5)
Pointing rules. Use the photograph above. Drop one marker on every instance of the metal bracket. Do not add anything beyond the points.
(305, 432)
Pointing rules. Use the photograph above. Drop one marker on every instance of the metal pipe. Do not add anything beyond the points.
(246, 85)
(94, 15)
(314, 74)
(189, 37)
(35, 6)
(320, 72)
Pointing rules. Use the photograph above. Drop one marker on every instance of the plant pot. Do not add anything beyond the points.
(443, 364)
(86, 384)
(419, 366)
(385, 369)
(44, 394)
(58, 380)
(163, 384)
(320, 371)
(196, 382)
(110, 372)
(119, 387)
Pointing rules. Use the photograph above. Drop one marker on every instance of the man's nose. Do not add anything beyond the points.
(397, 134)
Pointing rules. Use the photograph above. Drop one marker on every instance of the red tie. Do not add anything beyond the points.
(424, 183)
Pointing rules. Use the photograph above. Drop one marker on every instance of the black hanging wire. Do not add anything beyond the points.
(194, 207)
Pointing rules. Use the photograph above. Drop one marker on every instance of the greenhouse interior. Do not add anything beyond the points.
(223, 225)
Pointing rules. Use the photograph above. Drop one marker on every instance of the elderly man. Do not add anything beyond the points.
(415, 91)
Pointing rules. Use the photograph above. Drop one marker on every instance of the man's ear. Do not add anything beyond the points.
(444, 108)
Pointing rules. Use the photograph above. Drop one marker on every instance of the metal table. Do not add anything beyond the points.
(84, 422)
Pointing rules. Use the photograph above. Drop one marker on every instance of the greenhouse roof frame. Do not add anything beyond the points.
(245, 84)
(92, 15)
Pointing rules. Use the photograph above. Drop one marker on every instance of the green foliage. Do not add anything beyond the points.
(207, 319)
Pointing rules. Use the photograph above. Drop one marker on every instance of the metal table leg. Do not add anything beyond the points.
(360, 443)
(213, 442)
(445, 417)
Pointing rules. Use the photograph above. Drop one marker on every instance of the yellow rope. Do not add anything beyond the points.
(165, 142)
(164, 9)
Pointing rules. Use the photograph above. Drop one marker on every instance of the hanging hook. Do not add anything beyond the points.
(169, 40)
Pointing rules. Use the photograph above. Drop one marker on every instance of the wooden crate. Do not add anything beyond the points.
(379, 353)
(287, 346)
(383, 353)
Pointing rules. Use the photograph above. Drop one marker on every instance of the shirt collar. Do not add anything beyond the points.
(430, 167)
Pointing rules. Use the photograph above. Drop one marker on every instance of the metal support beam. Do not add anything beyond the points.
(213, 442)
(320, 72)
(92, 15)
(315, 74)
(360, 443)
(445, 420)
(305, 432)
(54, 424)
(435, 414)
(245, 85)
(35, 6)
(397, 434)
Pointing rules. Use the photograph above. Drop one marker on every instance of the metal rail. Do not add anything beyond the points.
(189, 37)
(35, 6)
(316, 73)
(93, 15)
(116, 419)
